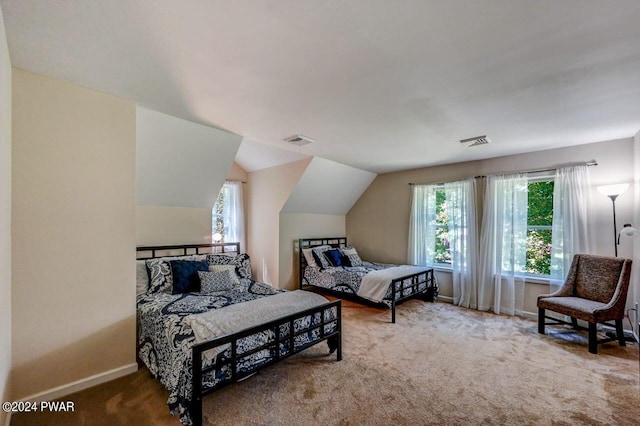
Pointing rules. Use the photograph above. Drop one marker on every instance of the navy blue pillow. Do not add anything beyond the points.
(334, 257)
(185, 275)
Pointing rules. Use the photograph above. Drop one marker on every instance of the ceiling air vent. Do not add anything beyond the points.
(478, 140)
(299, 140)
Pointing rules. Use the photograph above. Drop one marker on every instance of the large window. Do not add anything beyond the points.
(539, 225)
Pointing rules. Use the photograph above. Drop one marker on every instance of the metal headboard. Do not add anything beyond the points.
(185, 249)
(305, 243)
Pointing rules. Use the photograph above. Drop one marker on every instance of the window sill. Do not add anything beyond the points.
(533, 279)
(537, 279)
(442, 268)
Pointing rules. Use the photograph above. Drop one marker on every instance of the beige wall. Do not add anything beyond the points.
(267, 191)
(295, 226)
(73, 233)
(378, 224)
(5, 219)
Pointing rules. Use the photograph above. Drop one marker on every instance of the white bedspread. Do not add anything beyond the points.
(375, 284)
(231, 319)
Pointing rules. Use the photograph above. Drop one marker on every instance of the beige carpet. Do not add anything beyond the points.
(438, 364)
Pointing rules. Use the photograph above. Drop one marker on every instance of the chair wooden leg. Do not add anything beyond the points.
(593, 338)
(541, 320)
(620, 333)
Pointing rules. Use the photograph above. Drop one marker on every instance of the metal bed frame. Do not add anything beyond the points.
(398, 285)
(333, 338)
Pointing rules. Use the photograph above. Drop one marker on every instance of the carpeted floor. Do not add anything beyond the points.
(439, 364)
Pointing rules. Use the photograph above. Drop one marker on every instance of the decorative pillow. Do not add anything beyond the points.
(230, 268)
(185, 275)
(334, 256)
(211, 282)
(159, 273)
(242, 262)
(318, 255)
(351, 257)
(308, 255)
(160, 279)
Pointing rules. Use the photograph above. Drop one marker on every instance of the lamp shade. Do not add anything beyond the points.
(217, 237)
(628, 231)
(616, 189)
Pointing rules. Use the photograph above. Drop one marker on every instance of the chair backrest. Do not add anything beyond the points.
(597, 277)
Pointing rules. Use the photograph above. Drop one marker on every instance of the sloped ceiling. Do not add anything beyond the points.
(180, 163)
(253, 156)
(327, 187)
(381, 85)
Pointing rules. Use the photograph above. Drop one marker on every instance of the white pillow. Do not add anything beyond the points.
(308, 254)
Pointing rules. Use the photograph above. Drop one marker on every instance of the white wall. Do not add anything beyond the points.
(327, 187)
(73, 211)
(180, 163)
(295, 226)
(5, 219)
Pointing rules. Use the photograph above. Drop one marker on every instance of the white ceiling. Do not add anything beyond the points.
(381, 85)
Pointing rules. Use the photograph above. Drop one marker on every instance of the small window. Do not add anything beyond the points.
(218, 223)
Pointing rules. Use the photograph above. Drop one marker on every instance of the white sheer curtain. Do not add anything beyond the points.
(503, 245)
(422, 225)
(570, 234)
(461, 214)
(233, 213)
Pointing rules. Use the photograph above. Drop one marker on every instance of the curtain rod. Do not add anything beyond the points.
(587, 163)
(234, 180)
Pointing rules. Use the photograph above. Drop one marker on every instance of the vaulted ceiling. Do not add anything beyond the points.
(381, 85)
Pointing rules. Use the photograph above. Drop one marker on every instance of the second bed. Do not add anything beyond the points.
(330, 264)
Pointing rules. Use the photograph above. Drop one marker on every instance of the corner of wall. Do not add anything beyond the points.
(267, 192)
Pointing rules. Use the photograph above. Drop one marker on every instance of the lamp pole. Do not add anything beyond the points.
(615, 228)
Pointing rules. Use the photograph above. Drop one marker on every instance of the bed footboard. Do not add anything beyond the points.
(329, 328)
(409, 286)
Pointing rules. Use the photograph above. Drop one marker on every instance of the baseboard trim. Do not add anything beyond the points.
(82, 384)
(524, 314)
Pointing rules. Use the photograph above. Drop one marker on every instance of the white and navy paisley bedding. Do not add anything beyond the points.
(347, 279)
(165, 338)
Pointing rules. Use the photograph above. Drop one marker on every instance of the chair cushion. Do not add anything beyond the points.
(576, 307)
(597, 277)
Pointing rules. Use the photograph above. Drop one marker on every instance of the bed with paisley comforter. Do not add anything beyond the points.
(232, 326)
(332, 265)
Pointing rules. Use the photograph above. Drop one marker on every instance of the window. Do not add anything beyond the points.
(217, 214)
(227, 215)
(442, 253)
(539, 225)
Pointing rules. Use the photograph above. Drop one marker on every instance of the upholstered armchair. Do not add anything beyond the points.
(595, 291)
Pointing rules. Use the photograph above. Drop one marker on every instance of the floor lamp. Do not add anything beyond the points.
(612, 191)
